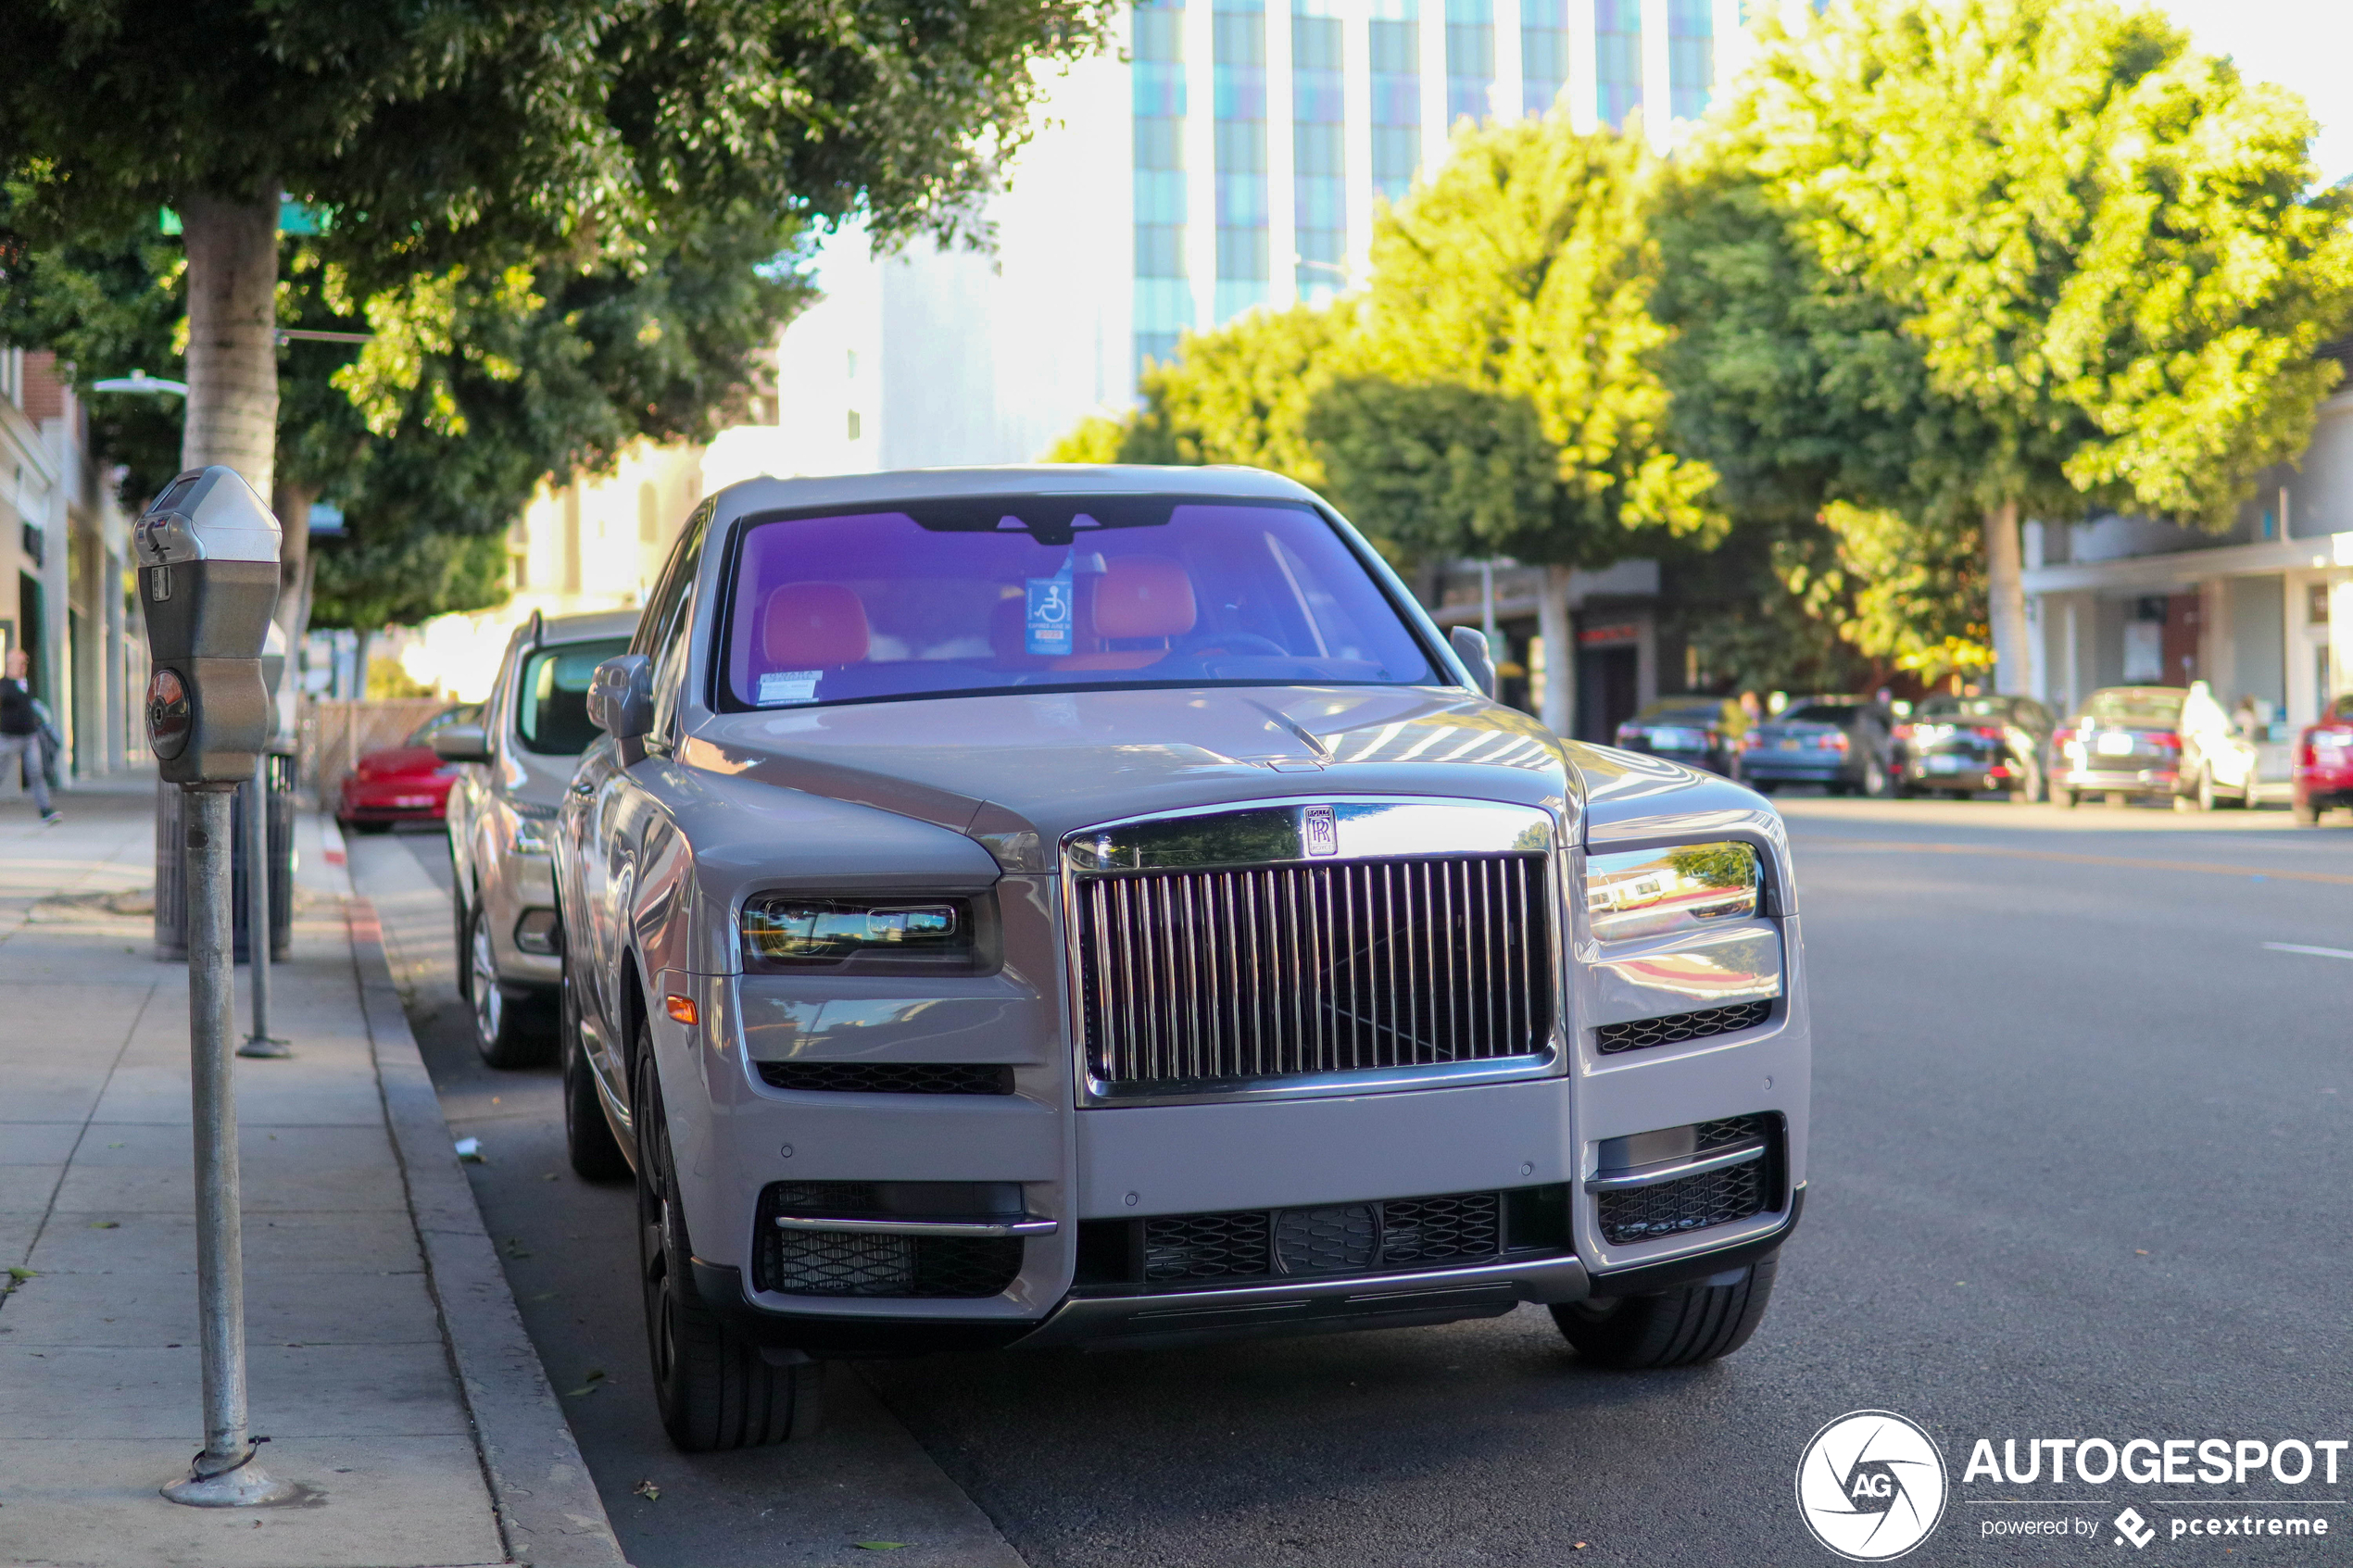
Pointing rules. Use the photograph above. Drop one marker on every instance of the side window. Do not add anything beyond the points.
(670, 590)
(669, 651)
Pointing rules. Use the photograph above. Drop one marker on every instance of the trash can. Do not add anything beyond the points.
(171, 879)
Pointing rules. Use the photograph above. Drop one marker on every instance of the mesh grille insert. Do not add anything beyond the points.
(1678, 1027)
(888, 1077)
(1406, 1232)
(1693, 1203)
(859, 1263)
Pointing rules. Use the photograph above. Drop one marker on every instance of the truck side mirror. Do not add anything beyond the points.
(207, 556)
(1470, 646)
(461, 742)
(620, 698)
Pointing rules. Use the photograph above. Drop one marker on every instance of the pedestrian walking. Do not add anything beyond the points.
(20, 748)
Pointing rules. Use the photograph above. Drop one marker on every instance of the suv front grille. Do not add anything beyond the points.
(1690, 1203)
(1677, 1027)
(888, 1077)
(1454, 1231)
(1193, 977)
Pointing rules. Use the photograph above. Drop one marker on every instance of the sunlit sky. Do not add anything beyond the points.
(2302, 45)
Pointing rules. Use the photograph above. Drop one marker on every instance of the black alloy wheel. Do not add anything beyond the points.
(589, 1143)
(2029, 784)
(1699, 1323)
(715, 1389)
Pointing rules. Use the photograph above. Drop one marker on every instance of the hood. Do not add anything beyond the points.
(1020, 771)
(400, 761)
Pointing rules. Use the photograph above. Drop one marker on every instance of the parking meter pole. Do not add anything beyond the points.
(223, 1475)
(258, 921)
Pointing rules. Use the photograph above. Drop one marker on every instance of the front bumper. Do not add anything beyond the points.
(1329, 1305)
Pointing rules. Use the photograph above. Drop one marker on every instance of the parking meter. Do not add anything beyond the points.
(207, 556)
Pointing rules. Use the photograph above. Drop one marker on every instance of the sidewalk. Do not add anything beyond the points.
(385, 1362)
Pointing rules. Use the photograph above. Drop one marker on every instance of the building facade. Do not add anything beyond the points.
(2262, 610)
(65, 570)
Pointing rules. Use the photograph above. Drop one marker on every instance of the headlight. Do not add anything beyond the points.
(784, 931)
(1655, 892)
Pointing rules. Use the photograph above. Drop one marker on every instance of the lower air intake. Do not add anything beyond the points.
(1692, 1203)
(886, 1077)
(1676, 1028)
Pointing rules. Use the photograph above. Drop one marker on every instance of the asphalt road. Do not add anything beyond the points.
(2080, 1167)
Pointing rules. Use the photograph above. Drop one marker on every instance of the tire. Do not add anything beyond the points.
(1698, 1322)
(594, 1153)
(503, 1028)
(1839, 790)
(714, 1388)
(2307, 816)
(2206, 799)
(2064, 798)
(1765, 786)
(2030, 788)
(1874, 779)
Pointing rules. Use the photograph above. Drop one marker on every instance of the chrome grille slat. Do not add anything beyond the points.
(1217, 976)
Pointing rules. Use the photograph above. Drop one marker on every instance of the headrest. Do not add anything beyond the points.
(807, 624)
(1143, 596)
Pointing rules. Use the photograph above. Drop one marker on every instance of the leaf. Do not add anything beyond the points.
(106, 1224)
(880, 1546)
(647, 1491)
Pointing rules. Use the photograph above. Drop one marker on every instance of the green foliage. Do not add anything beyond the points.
(2031, 250)
(1437, 469)
(1523, 272)
(396, 576)
(478, 134)
(1716, 865)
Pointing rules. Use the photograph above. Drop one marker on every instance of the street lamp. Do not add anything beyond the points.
(139, 381)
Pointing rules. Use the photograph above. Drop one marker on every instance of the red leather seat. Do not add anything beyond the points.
(814, 626)
(1137, 596)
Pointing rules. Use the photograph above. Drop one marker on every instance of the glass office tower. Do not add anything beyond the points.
(1164, 294)
(1240, 53)
(1319, 149)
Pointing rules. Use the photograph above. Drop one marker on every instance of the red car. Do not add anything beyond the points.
(408, 783)
(2324, 763)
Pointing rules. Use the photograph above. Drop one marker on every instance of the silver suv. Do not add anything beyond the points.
(502, 806)
(1095, 906)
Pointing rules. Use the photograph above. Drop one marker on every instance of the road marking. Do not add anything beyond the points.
(2316, 952)
(2207, 868)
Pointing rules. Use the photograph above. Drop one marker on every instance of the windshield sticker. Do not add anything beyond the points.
(788, 685)
(1047, 621)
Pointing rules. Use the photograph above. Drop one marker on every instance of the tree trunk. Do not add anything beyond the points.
(232, 324)
(361, 637)
(291, 503)
(2005, 601)
(1560, 707)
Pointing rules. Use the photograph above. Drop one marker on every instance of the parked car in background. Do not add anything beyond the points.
(2126, 743)
(1701, 732)
(1844, 744)
(513, 766)
(1095, 906)
(409, 782)
(2221, 764)
(2323, 775)
(1965, 744)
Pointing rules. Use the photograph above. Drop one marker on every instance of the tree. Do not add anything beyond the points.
(2033, 254)
(486, 136)
(1509, 315)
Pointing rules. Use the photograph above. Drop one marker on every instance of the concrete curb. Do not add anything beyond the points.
(548, 1511)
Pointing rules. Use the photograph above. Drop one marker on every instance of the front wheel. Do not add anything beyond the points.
(2306, 815)
(502, 1034)
(2206, 797)
(1874, 779)
(2064, 798)
(715, 1389)
(1699, 1323)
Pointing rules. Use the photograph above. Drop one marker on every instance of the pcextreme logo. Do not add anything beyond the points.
(1870, 1486)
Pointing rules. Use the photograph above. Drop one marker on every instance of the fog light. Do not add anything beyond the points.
(536, 931)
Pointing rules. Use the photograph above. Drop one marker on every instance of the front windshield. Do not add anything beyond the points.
(423, 734)
(1030, 592)
(551, 695)
(1841, 714)
(2157, 706)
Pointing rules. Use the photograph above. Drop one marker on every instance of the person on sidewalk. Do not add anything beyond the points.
(21, 734)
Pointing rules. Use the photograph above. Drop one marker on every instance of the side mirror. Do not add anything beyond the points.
(621, 697)
(1470, 646)
(461, 742)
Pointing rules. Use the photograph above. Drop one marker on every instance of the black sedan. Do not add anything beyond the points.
(1841, 743)
(1964, 745)
(1692, 729)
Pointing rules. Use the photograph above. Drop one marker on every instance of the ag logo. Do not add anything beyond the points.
(1870, 1486)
